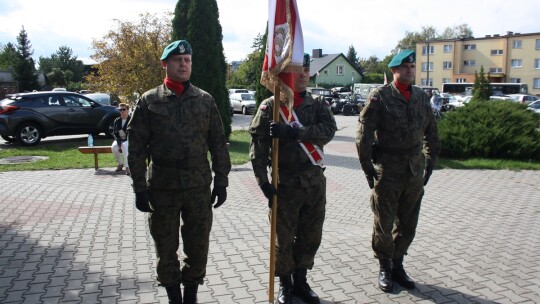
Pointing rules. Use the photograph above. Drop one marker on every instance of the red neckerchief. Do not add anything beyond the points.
(176, 86)
(403, 89)
(298, 98)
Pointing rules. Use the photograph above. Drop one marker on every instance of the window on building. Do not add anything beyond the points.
(516, 44)
(325, 72)
(516, 63)
(469, 62)
(496, 52)
(339, 69)
(446, 80)
(447, 65)
(515, 80)
(538, 44)
(426, 65)
(461, 80)
(495, 70)
(425, 50)
(427, 82)
(448, 48)
(537, 63)
(470, 46)
(536, 83)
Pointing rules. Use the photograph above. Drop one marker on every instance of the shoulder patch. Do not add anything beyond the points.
(374, 99)
(263, 107)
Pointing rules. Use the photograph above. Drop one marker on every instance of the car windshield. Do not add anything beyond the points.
(101, 98)
(247, 96)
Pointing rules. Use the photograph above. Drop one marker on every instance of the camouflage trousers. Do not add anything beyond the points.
(300, 219)
(194, 207)
(395, 202)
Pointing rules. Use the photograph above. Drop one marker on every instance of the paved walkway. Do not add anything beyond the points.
(74, 236)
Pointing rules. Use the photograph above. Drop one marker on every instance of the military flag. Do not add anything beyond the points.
(284, 50)
(284, 57)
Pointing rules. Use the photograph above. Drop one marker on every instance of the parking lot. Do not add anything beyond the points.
(74, 236)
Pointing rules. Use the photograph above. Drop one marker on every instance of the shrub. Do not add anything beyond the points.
(491, 129)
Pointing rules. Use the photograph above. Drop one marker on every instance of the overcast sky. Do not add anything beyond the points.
(372, 27)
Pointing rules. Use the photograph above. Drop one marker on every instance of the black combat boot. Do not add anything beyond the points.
(174, 294)
(400, 276)
(285, 290)
(302, 289)
(190, 293)
(385, 275)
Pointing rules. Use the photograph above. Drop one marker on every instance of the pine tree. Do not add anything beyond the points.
(24, 70)
(197, 21)
(481, 89)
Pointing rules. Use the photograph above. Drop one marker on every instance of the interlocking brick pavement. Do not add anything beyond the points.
(74, 236)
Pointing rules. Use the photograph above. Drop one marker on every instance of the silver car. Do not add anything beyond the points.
(243, 102)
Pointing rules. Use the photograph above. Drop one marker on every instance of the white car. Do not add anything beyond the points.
(452, 100)
(534, 106)
(524, 98)
(243, 102)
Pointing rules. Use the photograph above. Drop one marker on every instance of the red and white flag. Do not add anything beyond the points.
(284, 49)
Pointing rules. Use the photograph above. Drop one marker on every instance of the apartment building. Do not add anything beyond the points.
(513, 57)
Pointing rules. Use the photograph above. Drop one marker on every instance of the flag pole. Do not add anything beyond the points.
(275, 150)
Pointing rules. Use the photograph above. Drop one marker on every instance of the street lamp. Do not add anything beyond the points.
(427, 66)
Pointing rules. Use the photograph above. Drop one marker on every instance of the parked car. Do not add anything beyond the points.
(105, 99)
(524, 98)
(453, 102)
(321, 94)
(534, 106)
(29, 117)
(243, 102)
(232, 91)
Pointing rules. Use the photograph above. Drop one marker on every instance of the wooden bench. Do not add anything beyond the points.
(95, 150)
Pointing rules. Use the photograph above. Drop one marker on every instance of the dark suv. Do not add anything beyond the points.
(29, 117)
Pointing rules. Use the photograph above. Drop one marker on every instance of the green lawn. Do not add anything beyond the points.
(64, 155)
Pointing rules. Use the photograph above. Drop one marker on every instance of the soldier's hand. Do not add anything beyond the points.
(142, 201)
(269, 191)
(283, 130)
(371, 175)
(219, 192)
(428, 172)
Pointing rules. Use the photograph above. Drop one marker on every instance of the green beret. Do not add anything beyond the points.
(179, 47)
(404, 56)
(307, 62)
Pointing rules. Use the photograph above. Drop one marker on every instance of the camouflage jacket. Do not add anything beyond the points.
(177, 133)
(405, 133)
(295, 168)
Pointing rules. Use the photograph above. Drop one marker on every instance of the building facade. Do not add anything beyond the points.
(332, 69)
(513, 57)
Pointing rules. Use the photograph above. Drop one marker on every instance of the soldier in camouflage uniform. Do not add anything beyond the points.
(398, 146)
(302, 185)
(175, 125)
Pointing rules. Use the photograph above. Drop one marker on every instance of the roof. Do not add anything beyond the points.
(318, 64)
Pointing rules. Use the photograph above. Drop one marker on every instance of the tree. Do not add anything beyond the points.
(198, 23)
(8, 56)
(262, 92)
(481, 88)
(352, 56)
(458, 31)
(249, 69)
(62, 69)
(24, 70)
(128, 56)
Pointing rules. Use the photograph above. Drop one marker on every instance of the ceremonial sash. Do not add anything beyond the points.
(314, 153)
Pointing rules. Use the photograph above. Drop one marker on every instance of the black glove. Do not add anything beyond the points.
(221, 193)
(269, 191)
(142, 201)
(371, 174)
(283, 130)
(427, 174)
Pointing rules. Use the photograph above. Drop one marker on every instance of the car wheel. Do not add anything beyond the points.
(109, 130)
(9, 139)
(244, 111)
(347, 110)
(28, 134)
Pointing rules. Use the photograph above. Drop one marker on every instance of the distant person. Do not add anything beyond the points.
(177, 125)
(120, 143)
(301, 193)
(398, 146)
